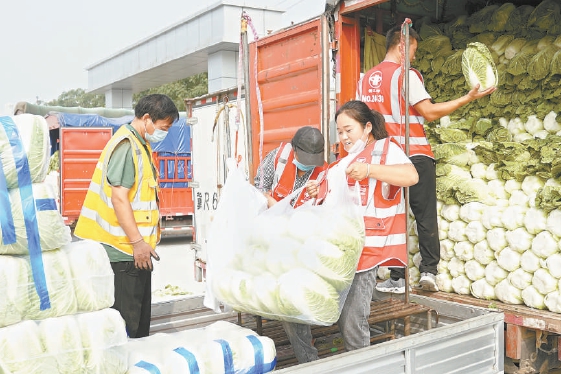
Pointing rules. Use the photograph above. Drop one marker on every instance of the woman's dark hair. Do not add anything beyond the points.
(361, 113)
(158, 106)
(393, 36)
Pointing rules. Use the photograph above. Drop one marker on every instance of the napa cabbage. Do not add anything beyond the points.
(482, 290)
(59, 284)
(305, 294)
(461, 285)
(61, 338)
(329, 262)
(14, 285)
(478, 66)
(103, 336)
(507, 293)
(22, 351)
(92, 275)
(520, 278)
(53, 233)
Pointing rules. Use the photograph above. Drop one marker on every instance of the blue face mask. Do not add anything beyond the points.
(301, 166)
(157, 136)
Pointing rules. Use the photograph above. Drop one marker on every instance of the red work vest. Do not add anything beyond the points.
(384, 216)
(285, 175)
(381, 90)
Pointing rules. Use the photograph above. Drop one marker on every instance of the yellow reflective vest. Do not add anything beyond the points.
(98, 220)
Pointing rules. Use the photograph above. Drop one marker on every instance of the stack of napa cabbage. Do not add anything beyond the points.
(55, 314)
(498, 169)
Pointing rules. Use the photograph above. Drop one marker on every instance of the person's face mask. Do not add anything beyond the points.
(301, 166)
(157, 136)
(359, 145)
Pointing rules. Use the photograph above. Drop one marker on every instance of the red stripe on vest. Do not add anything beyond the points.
(285, 186)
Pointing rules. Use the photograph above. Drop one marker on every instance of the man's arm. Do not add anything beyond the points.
(142, 251)
(433, 111)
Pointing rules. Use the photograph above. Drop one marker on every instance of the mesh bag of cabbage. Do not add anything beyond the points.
(283, 263)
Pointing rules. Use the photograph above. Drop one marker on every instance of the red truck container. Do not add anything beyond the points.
(80, 139)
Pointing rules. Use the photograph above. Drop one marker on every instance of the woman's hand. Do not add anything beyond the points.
(270, 200)
(312, 188)
(358, 170)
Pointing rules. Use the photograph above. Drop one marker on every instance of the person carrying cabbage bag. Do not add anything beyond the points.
(380, 168)
(282, 171)
(121, 208)
(381, 88)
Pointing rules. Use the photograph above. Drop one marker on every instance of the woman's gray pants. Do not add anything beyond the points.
(353, 322)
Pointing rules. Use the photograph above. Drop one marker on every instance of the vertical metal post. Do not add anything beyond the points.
(406, 68)
(248, 122)
(325, 94)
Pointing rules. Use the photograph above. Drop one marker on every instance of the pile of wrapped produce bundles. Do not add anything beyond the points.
(281, 263)
(55, 314)
(55, 309)
(498, 164)
(221, 347)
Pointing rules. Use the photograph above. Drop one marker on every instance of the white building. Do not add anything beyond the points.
(206, 40)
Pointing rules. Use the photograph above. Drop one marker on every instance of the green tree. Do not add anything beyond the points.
(178, 91)
(78, 97)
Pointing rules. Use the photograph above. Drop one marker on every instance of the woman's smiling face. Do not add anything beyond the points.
(350, 130)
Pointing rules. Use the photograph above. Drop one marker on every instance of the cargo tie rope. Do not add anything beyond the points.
(246, 21)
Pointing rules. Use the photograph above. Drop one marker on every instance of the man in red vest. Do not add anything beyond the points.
(382, 89)
(282, 171)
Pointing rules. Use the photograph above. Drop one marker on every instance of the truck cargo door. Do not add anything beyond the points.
(348, 32)
(290, 78)
(80, 149)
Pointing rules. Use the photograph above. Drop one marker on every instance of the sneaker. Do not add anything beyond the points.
(428, 282)
(393, 286)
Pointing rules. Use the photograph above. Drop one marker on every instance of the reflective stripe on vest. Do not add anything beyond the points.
(393, 109)
(98, 220)
(285, 175)
(384, 214)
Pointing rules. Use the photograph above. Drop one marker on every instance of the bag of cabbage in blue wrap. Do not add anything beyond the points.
(285, 263)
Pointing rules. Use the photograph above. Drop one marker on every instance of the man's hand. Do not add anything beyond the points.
(312, 188)
(143, 253)
(357, 170)
(474, 94)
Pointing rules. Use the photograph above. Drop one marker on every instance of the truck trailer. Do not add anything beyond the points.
(303, 74)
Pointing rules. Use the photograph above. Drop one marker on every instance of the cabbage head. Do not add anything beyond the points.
(310, 296)
(337, 267)
(22, 351)
(13, 286)
(478, 66)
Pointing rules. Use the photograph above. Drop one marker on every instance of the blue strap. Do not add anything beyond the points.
(191, 359)
(29, 213)
(45, 204)
(257, 353)
(228, 357)
(151, 368)
(6, 220)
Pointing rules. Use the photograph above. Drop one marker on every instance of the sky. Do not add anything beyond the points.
(47, 45)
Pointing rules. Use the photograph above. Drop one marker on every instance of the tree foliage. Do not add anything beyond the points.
(180, 90)
(78, 97)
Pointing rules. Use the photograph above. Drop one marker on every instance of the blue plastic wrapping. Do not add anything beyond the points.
(29, 212)
(177, 141)
(92, 120)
